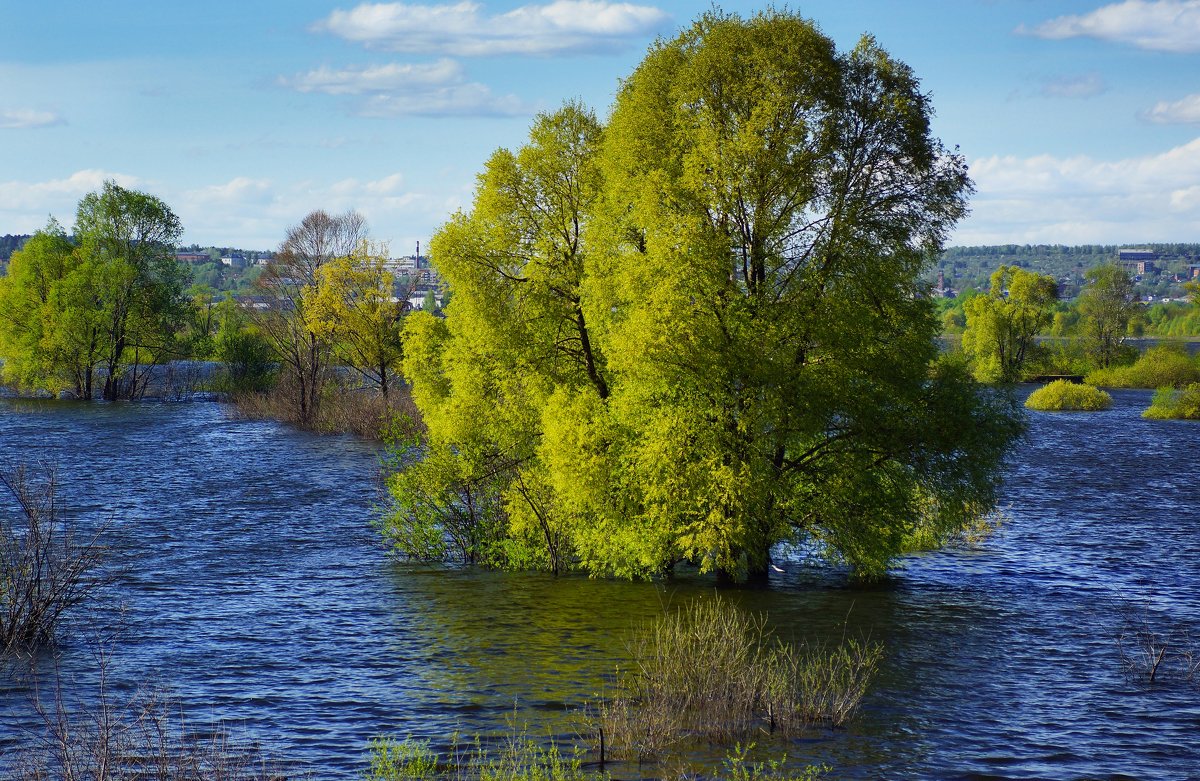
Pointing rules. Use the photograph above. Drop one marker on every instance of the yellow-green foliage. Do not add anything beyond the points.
(648, 360)
(1064, 395)
(1170, 403)
(1161, 366)
(1002, 327)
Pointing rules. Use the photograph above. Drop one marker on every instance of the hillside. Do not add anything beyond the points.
(1168, 265)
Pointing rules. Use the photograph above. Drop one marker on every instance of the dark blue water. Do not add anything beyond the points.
(254, 589)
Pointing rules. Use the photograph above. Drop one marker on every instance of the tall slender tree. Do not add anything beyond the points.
(1107, 304)
(1002, 327)
(304, 355)
(130, 237)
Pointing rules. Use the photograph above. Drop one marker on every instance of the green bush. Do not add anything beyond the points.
(1164, 365)
(1064, 395)
(1178, 404)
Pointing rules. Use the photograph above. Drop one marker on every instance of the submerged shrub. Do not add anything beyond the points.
(106, 738)
(710, 671)
(45, 569)
(1164, 365)
(1171, 403)
(1156, 649)
(518, 758)
(1065, 395)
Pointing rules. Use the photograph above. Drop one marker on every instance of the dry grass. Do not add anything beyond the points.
(143, 737)
(713, 673)
(343, 410)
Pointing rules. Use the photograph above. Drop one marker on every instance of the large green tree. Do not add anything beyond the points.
(50, 330)
(701, 331)
(1002, 327)
(516, 333)
(129, 239)
(95, 308)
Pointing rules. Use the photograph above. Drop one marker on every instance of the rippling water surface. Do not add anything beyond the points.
(253, 587)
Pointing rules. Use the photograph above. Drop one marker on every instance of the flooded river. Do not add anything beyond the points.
(253, 587)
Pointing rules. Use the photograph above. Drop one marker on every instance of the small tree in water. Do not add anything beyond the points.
(45, 570)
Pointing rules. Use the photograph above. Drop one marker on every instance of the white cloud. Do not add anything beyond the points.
(1081, 200)
(378, 78)
(1185, 111)
(432, 89)
(1087, 85)
(255, 213)
(59, 197)
(461, 29)
(456, 100)
(240, 190)
(1160, 25)
(21, 118)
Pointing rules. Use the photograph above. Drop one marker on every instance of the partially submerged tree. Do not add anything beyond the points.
(353, 306)
(516, 332)
(130, 238)
(701, 332)
(304, 355)
(1002, 327)
(1108, 304)
(98, 307)
(48, 339)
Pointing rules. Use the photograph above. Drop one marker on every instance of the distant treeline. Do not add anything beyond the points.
(972, 267)
(1054, 250)
(10, 244)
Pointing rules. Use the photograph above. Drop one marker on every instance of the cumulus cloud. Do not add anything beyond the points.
(1180, 112)
(1047, 199)
(1088, 85)
(1159, 25)
(464, 30)
(426, 89)
(255, 213)
(59, 197)
(20, 118)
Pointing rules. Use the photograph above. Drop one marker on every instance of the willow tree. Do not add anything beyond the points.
(32, 344)
(129, 238)
(99, 306)
(516, 333)
(1002, 327)
(728, 346)
(1109, 303)
(353, 306)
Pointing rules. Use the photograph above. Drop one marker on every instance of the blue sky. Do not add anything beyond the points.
(1080, 120)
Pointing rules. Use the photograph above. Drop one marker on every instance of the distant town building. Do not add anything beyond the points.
(940, 290)
(1137, 260)
(236, 260)
(193, 257)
